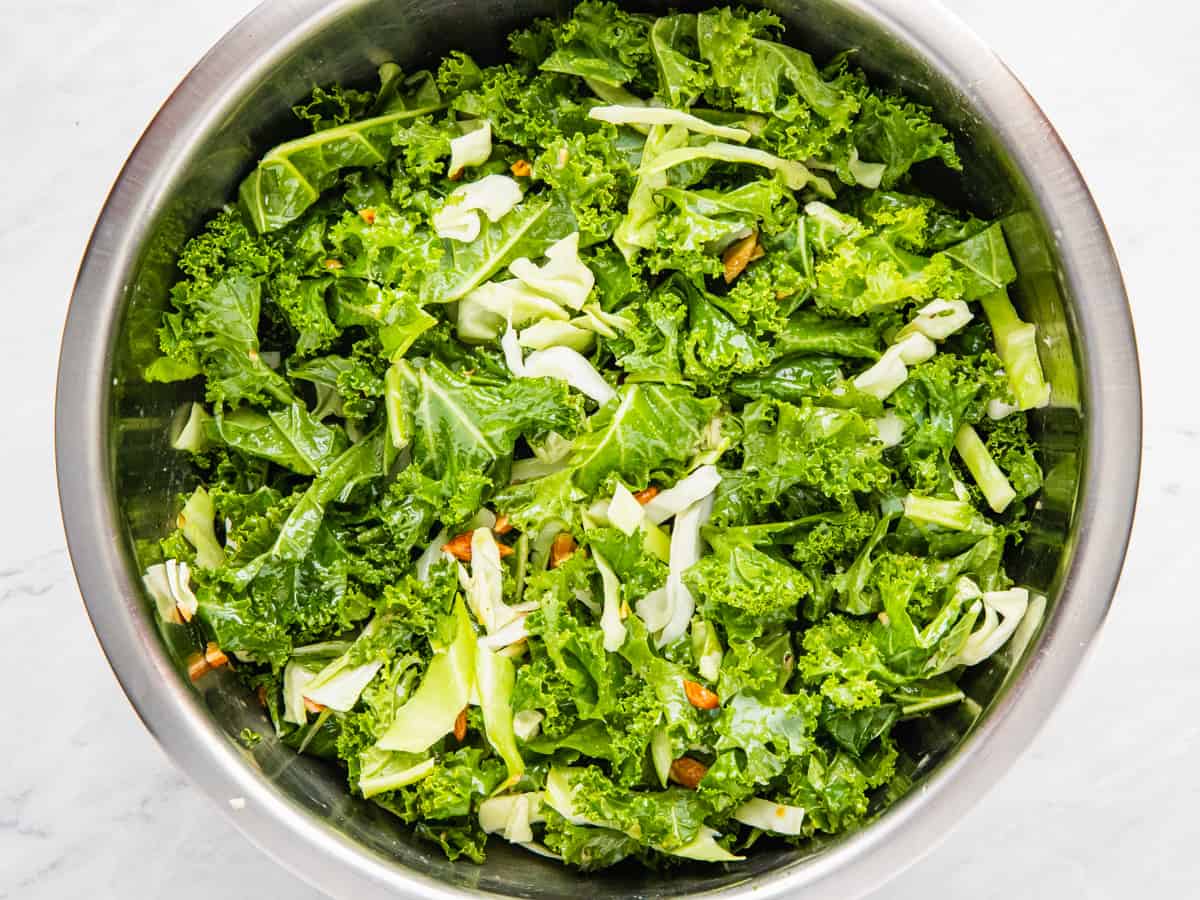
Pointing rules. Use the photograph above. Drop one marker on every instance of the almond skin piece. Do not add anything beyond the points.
(197, 666)
(215, 656)
(460, 547)
(688, 772)
(700, 696)
(644, 497)
(561, 550)
(460, 726)
(740, 254)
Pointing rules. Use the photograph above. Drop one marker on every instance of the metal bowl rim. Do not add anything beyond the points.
(172, 712)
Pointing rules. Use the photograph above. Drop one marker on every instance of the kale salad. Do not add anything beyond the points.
(611, 451)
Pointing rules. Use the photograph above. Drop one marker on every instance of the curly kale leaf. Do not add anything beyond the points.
(787, 447)
(745, 589)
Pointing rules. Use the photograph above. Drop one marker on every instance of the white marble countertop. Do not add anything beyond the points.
(1101, 806)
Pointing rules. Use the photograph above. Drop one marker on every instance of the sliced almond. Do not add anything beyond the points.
(502, 526)
(198, 666)
(688, 772)
(700, 696)
(215, 656)
(460, 547)
(740, 254)
(560, 551)
(644, 497)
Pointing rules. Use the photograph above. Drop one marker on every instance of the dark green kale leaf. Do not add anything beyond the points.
(602, 42)
(745, 589)
(830, 452)
(215, 333)
(938, 397)
(463, 430)
(716, 349)
(293, 175)
(651, 350)
(752, 72)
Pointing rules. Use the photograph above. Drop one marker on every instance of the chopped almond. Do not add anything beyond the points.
(215, 656)
(688, 772)
(197, 666)
(460, 547)
(740, 254)
(644, 497)
(502, 526)
(332, 263)
(700, 696)
(562, 548)
(313, 706)
(460, 726)
(521, 168)
(367, 215)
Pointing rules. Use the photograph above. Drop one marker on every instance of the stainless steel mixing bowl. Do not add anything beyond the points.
(118, 478)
